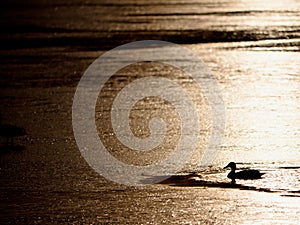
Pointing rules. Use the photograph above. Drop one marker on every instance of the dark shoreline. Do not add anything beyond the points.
(87, 40)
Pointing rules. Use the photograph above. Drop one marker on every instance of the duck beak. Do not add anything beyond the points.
(226, 167)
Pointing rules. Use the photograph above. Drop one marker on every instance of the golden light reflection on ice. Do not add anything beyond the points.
(271, 17)
(268, 5)
(262, 106)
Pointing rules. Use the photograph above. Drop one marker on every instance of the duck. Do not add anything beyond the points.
(9, 131)
(244, 174)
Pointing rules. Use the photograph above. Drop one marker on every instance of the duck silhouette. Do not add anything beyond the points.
(9, 131)
(244, 174)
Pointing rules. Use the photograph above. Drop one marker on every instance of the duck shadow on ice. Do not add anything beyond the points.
(195, 180)
(8, 133)
(9, 149)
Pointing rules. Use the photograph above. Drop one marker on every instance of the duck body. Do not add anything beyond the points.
(244, 174)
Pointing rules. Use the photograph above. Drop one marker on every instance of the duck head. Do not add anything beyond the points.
(231, 165)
